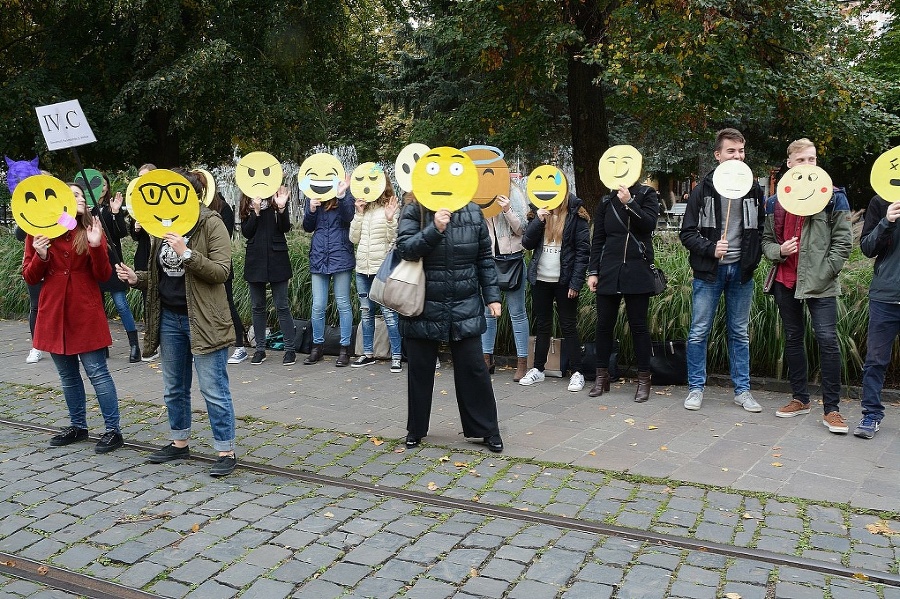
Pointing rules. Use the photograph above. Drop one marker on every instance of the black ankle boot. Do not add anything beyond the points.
(135, 355)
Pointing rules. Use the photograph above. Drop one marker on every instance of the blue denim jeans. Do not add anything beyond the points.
(176, 361)
(367, 317)
(320, 284)
(121, 301)
(73, 387)
(282, 309)
(704, 302)
(884, 325)
(515, 305)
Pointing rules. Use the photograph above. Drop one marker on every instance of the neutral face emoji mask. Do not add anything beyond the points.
(733, 179)
(445, 178)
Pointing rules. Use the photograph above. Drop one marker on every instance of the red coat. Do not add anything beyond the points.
(71, 318)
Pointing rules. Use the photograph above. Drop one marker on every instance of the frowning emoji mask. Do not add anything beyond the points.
(258, 175)
(547, 187)
(164, 202)
(620, 165)
(44, 205)
(319, 176)
(444, 178)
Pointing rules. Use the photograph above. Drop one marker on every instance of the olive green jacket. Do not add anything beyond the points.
(205, 274)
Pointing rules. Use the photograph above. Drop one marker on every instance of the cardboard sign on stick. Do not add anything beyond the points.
(64, 125)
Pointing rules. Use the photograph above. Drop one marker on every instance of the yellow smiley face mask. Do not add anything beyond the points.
(546, 187)
(805, 190)
(620, 165)
(320, 175)
(444, 178)
(885, 175)
(163, 202)
(44, 205)
(368, 182)
(258, 175)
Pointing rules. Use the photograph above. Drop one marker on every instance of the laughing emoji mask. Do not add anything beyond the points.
(319, 176)
(44, 205)
(445, 178)
(258, 175)
(804, 190)
(547, 187)
(165, 202)
(493, 177)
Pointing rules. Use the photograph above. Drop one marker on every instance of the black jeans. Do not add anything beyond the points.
(636, 307)
(543, 295)
(823, 318)
(235, 317)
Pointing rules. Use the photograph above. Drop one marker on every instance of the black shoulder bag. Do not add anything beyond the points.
(509, 267)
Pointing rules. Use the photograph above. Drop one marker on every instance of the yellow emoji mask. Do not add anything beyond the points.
(444, 178)
(885, 176)
(211, 185)
(406, 162)
(367, 182)
(620, 165)
(258, 175)
(319, 176)
(164, 202)
(733, 179)
(493, 177)
(546, 187)
(804, 190)
(44, 205)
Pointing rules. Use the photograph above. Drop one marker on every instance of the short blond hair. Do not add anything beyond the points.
(799, 145)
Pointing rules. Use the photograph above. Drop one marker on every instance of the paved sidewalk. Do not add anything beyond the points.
(720, 445)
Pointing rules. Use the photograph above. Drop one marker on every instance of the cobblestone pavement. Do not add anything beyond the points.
(173, 531)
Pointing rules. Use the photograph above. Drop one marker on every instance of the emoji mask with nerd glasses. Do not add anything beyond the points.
(165, 202)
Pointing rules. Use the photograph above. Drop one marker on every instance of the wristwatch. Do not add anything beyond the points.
(187, 254)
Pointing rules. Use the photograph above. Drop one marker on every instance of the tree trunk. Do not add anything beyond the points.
(590, 137)
(163, 148)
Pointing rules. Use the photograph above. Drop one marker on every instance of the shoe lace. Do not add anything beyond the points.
(867, 422)
(107, 436)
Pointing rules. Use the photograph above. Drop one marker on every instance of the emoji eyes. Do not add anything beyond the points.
(456, 169)
(48, 193)
(799, 176)
(30, 197)
(432, 168)
(266, 171)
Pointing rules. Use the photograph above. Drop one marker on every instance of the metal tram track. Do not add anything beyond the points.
(42, 574)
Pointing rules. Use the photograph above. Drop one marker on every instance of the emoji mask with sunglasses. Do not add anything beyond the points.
(165, 202)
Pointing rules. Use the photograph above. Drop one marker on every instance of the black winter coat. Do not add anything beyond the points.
(576, 245)
(267, 259)
(460, 276)
(615, 256)
(115, 228)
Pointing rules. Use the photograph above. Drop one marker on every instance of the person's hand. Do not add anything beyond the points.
(137, 227)
(176, 242)
(360, 205)
(495, 308)
(790, 247)
(390, 209)
(256, 204)
(623, 194)
(893, 212)
(343, 186)
(95, 233)
(504, 203)
(721, 248)
(115, 204)
(573, 293)
(542, 214)
(281, 198)
(313, 204)
(592, 282)
(125, 273)
(41, 245)
(442, 219)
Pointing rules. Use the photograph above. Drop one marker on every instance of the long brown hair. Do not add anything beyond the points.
(385, 196)
(556, 221)
(83, 221)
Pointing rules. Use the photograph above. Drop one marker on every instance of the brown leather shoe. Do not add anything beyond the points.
(601, 383)
(489, 362)
(343, 358)
(643, 389)
(521, 369)
(315, 355)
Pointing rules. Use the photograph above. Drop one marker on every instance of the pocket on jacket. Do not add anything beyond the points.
(279, 246)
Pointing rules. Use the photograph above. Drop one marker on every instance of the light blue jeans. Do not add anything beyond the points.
(367, 317)
(73, 387)
(176, 362)
(320, 285)
(515, 305)
(121, 302)
(704, 302)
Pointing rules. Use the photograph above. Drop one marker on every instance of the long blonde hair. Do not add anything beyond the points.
(553, 229)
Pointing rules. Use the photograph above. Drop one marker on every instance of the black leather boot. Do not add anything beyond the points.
(314, 355)
(343, 358)
(135, 356)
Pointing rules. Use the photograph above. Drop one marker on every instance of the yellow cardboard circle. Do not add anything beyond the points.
(546, 187)
(164, 202)
(368, 182)
(258, 175)
(493, 177)
(127, 200)
(211, 185)
(406, 162)
(620, 165)
(44, 205)
(319, 176)
(733, 179)
(445, 178)
(805, 190)
(885, 175)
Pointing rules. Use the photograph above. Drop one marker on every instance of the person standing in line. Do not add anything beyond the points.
(264, 223)
(373, 230)
(561, 241)
(722, 264)
(71, 324)
(189, 322)
(142, 250)
(621, 256)
(808, 252)
(506, 231)
(34, 295)
(880, 240)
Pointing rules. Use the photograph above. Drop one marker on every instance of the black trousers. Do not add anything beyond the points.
(239, 333)
(636, 307)
(543, 295)
(474, 393)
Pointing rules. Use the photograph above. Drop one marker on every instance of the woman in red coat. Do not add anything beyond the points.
(71, 323)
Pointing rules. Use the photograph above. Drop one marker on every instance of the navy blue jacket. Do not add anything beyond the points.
(330, 250)
(576, 245)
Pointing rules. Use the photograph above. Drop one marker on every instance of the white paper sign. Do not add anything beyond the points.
(64, 125)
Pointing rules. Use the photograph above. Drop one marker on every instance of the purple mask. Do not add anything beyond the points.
(19, 170)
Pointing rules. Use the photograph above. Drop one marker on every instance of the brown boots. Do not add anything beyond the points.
(343, 358)
(601, 383)
(521, 369)
(489, 362)
(643, 388)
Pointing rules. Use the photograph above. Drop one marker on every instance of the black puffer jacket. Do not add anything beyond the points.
(460, 277)
(576, 245)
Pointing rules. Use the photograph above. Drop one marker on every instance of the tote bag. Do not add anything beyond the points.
(399, 285)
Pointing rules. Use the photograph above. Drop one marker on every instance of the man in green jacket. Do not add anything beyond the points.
(807, 253)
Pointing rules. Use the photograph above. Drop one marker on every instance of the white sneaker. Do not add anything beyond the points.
(746, 401)
(239, 355)
(34, 356)
(576, 383)
(533, 376)
(437, 363)
(694, 400)
(150, 358)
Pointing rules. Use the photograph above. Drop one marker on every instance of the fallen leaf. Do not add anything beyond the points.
(776, 455)
(860, 576)
(475, 498)
(432, 486)
(668, 490)
(732, 596)
(777, 464)
(881, 528)
(195, 527)
(776, 448)
(634, 444)
(603, 408)
(443, 392)
(474, 472)
(400, 450)
(264, 407)
(376, 441)
(724, 469)
(664, 448)
(461, 464)
(738, 424)
(43, 570)
(444, 458)
(592, 453)
(629, 420)
(652, 428)
(328, 515)
(529, 433)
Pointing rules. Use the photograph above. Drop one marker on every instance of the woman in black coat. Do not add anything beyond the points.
(460, 280)
(621, 256)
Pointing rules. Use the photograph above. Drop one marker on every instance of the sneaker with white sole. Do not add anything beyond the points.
(531, 377)
(34, 356)
(239, 355)
(576, 382)
(694, 400)
(836, 423)
(155, 356)
(867, 428)
(746, 401)
(795, 407)
(363, 360)
(396, 365)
